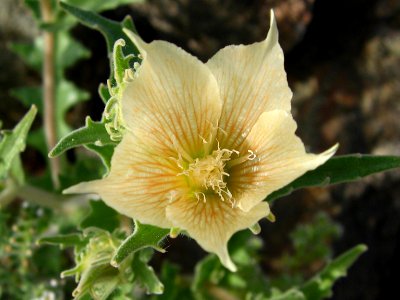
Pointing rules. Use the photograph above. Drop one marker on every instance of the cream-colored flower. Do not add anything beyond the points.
(205, 143)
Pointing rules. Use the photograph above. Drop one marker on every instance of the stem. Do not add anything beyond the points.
(56, 202)
(64, 203)
(49, 90)
(8, 194)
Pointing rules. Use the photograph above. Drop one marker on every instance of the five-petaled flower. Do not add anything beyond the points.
(205, 143)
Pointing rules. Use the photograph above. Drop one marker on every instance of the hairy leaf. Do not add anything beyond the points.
(101, 216)
(120, 61)
(100, 5)
(13, 141)
(93, 133)
(111, 30)
(143, 236)
(292, 294)
(104, 93)
(68, 50)
(31, 54)
(206, 270)
(145, 274)
(340, 169)
(67, 95)
(29, 96)
(64, 240)
(104, 152)
(105, 284)
(320, 286)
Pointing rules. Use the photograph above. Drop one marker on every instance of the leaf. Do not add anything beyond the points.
(340, 169)
(120, 61)
(13, 142)
(93, 281)
(292, 294)
(111, 30)
(93, 133)
(207, 270)
(320, 286)
(37, 140)
(29, 96)
(100, 5)
(68, 51)
(17, 171)
(67, 95)
(104, 92)
(34, 5)
(63, 240)
(172, 282)
(31, 54)
(92, 268)
(104, 286)
(145, 274)
(105, 153)
(143, 236)
(101, 216)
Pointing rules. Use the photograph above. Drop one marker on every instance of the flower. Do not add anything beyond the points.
(205, 143)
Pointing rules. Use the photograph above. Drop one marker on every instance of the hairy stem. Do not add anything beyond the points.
(8, 194)
(62, 203)
(48, 199)
(49, 90)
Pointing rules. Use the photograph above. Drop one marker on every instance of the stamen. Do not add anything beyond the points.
(208, 174)
(212, 137)
(240, 160)
(197, 194)
(252, 155)
(237, 161)
(178, 161)
(180, 150)
(203, 139)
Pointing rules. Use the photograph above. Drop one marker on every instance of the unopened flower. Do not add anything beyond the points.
(205, 143)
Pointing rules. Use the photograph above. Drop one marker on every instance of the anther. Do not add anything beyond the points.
(252, 155)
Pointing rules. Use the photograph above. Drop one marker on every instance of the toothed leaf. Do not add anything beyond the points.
(93, 133)
(340, 169)
(13, 142)
(143, 236)
(320, 286)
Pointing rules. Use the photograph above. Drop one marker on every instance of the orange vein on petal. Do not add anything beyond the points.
(252, 80)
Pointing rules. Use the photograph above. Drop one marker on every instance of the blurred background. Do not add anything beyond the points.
(342, 59)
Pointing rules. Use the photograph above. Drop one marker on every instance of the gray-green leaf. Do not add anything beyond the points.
(111, 30)
(340, 169)
(93, 133)
(63, 240)
(143, 236)
(13, 142)
(320, 286)
(145, 274)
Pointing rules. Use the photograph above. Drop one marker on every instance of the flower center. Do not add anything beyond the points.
(207, 175)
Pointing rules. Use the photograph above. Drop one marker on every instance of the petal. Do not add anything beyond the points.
(175, 98)
(140, 183)
(280, 158)
(252, 80)
(212, 223)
